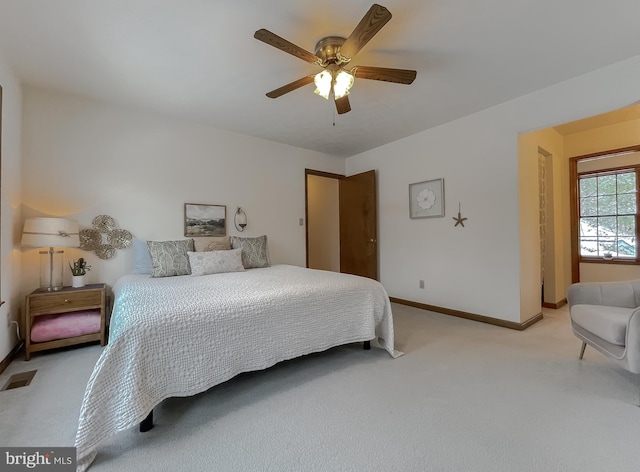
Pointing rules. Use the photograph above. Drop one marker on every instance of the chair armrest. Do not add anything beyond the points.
(632, 342)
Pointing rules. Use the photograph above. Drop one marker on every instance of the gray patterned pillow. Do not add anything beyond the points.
(170, 258)
(215, 262)
(254, 251)
(219, 243)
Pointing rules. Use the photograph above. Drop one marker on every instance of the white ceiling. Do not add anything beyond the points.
(198, 60)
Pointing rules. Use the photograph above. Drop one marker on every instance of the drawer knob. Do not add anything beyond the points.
(66, 300)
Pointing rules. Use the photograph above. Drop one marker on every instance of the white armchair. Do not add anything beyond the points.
(606, 316)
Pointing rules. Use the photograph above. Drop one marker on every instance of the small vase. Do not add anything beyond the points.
(78, 281)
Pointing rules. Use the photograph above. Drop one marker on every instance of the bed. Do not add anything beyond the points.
(179, 336)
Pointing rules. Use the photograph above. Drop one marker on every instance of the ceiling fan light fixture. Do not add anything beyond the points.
(323, 81)
(343, 83)
(332, 53)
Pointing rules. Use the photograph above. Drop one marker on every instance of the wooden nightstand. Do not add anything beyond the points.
(68, 300)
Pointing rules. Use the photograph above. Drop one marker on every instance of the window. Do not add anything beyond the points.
(608, 213)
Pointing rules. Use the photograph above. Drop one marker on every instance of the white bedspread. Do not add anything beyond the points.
(179, 336)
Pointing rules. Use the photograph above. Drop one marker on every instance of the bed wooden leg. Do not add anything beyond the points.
(367, 345)
(147, 423)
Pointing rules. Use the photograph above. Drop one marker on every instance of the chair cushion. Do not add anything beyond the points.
(606, 322)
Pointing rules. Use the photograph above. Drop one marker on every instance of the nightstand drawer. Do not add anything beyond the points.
(63, 302)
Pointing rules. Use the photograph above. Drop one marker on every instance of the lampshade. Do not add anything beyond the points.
(323, 81)
(343, 82)
(50, 232)
(340, 82)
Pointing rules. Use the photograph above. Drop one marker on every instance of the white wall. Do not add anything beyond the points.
(462, 266)
(478, 268)
(83, 158)
(10, 289)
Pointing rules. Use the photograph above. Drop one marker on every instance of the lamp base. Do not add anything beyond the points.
(51, 270)
(50, 289)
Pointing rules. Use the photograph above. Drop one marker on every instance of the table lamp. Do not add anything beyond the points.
(52, 233)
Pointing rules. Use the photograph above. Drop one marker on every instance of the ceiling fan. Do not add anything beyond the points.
(333, 54)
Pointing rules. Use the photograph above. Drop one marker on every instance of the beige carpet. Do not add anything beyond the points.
(465, 397)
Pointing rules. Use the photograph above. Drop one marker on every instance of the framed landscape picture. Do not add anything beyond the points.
(205, 220)
(426, 199)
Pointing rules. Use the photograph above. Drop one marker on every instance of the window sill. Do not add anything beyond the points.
(599, 260)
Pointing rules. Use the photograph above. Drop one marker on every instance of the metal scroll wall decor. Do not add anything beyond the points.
(104, 237)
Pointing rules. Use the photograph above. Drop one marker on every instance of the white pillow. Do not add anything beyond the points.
(142, 258)
(215, 262)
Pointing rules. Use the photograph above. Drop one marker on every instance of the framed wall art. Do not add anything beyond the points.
(205, 220)
(426, 199)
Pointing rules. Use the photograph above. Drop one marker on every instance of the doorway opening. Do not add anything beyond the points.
(323, 220)
(546, 225)
(342, 222)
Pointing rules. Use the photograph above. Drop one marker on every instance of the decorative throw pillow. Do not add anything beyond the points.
(170, 257)
(215, 262)
(212, 243)
(254, 251)
(142, 259)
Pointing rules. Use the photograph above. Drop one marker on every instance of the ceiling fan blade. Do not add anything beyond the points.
(373, 20)
(276, 41)
(398, 76)
(343, 105)
(290, 87)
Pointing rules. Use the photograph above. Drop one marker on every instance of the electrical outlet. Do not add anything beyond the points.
(8, 319)
(422, 284)
(301, 221)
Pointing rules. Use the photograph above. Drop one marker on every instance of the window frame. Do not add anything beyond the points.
(635, 169)
(574, 183)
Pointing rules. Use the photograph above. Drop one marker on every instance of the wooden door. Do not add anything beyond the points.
(359, 225)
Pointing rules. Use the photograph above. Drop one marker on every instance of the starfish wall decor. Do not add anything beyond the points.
(459, 220)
